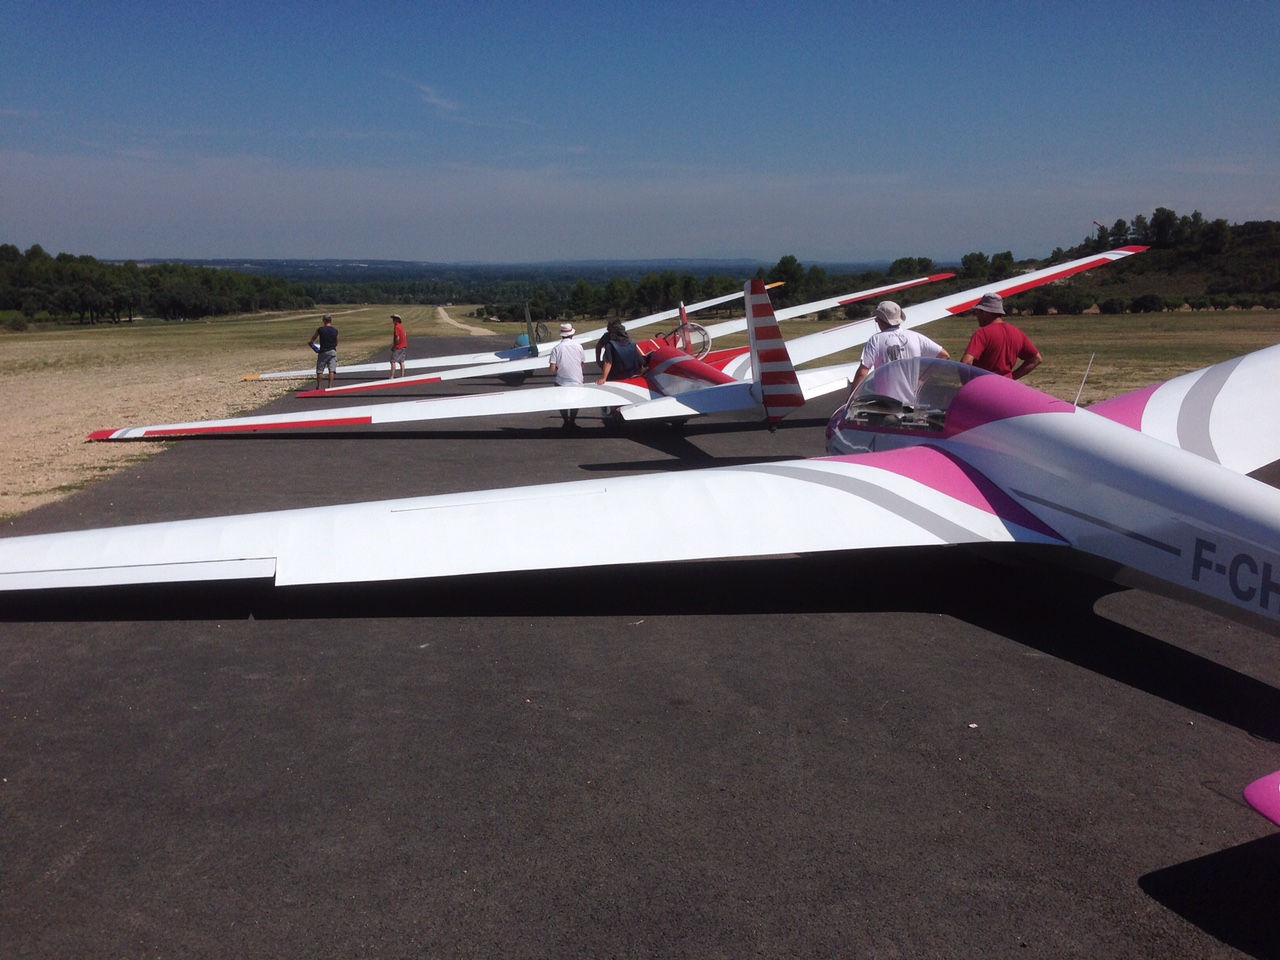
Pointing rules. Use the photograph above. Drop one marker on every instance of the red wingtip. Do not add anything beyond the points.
(100, 435)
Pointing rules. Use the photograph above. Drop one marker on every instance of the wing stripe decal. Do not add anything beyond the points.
(1099, 522)
(945, 530)
(1193, 414)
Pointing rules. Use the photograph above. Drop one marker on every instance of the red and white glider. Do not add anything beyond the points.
(675, 385)
(678, 338)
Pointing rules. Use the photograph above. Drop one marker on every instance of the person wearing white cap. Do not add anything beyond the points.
(566, 366)
(998, 345)
(893, 343)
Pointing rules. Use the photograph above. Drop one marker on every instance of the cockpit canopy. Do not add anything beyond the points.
(908, 395)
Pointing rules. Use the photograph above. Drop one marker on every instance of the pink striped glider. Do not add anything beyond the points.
(1151, 489)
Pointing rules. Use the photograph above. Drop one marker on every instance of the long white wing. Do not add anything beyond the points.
(827, 342)
(535, 400)
(781, 508)
(1228, 413)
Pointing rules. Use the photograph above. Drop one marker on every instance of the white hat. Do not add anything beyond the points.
(566, 330)
(889, 313)
(991, 303)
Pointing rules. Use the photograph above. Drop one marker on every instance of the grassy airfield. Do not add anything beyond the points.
(73, 380)
(1128, 351)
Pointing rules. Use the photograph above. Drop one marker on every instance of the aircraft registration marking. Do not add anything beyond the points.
(1248, 578)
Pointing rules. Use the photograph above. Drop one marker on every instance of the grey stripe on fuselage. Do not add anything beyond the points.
(1196, 407)
(945, 530)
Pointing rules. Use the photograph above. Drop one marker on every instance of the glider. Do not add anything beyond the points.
(675, 385)
(679, 337)
(521, 351)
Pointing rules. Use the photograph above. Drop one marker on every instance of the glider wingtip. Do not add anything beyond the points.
(251, 376)
(100, 435)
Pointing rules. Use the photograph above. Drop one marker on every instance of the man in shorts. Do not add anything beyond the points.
(399, 344)
(325, 342)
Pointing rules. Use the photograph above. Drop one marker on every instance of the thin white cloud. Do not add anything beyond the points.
(430, 96)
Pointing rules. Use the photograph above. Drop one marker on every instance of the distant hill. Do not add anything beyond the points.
(593, 271)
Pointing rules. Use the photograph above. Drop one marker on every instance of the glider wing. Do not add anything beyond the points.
(799, 506)
(1228, 413)
(826, 342)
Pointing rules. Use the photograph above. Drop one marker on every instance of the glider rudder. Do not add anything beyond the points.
(780, 391)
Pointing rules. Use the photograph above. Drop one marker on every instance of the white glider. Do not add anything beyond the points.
(674, 387)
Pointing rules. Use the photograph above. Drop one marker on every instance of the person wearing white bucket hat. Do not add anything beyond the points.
(566, 366)
(894, 343)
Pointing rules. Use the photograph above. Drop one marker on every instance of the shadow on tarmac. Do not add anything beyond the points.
(1047, 609)
(1231, 895)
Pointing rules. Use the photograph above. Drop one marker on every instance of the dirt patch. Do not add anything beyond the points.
(48, 414)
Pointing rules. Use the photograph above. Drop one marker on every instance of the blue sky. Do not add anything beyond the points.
(500, 131)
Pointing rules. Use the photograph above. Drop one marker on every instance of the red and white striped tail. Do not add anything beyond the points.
(775, 375)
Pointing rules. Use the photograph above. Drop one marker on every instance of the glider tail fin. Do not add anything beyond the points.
(530, 331)
(778, 388)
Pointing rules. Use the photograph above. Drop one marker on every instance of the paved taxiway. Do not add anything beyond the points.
(944, 758)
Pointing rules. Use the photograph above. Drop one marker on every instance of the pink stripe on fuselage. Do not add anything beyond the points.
(990, 399)
(950, 475)
(1128, 409)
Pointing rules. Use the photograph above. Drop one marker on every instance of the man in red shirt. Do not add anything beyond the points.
(399, 345)
(998, 345)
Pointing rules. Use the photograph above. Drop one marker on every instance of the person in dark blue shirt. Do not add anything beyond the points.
(620, 359)
(325, 342)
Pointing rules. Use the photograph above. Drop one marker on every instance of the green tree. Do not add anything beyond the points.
(975, 266)
(790, 271)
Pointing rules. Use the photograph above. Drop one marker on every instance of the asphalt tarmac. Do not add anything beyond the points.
(893, 754)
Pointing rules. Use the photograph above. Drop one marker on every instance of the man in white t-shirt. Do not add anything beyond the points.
(566, 367)
(890, 344)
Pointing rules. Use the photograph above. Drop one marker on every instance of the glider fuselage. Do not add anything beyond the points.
(1148, 507)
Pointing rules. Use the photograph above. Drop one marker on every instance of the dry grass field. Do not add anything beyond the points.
(61, 384)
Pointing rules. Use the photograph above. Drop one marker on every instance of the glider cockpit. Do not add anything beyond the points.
(900, 404)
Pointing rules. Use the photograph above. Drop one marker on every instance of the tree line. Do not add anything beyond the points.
(1194, 261)
(82, 289)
